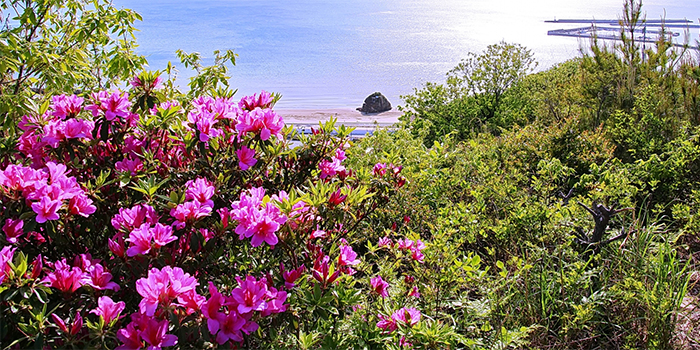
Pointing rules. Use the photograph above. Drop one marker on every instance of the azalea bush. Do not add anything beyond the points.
(131, 221)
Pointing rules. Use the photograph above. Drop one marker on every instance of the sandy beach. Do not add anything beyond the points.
(347, 117)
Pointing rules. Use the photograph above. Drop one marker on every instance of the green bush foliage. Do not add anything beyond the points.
(582, 207)
(476, 97)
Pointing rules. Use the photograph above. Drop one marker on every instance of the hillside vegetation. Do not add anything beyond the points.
(509, 209)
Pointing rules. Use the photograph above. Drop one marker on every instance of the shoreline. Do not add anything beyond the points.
(346, 116)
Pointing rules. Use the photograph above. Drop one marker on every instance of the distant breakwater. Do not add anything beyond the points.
(360, 129)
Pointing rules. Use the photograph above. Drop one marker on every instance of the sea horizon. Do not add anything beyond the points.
(332, 54)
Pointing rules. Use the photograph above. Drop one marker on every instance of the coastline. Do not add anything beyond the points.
(346, 116)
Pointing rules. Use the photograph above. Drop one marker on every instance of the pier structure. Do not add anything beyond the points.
(647, 31)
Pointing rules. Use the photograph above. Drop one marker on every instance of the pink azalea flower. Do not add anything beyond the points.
(230, 328)
(340, 155)
(379, 169)
(155, 334)
(66, 189)
(250, 327)
(133, 166)
(162, 235)
(65, 278)
(275, 302)
(38, 266)
(156, 84)
(146, 238)
(385, 242)
(129, 219)
(379, 286)
(132, 119)
(291, 276)
(245, 157)
(46, 209)
(85, 262)
(262, 122)
(131, 335)
(60, 323)
(273, 125)
(99, 279)
(210, 309)
(388, 324)
(37, 236)
(414, 292)
(407, 315)
(167, 105)
(54, 132)
(321, 271)
(319, 234)
(112, 105)
(136, 82)
(77, 324)
(130, 338)
(162, 287)
(22, 179)
(116, 245)
(30, 145)
(416, 251)
(13, 229)
(96, 106)
(404, 343)
(264, 229)
(203, 103)
(336, 198)
(264, 100)
(225, 215)
(401, 182)
(189, 212)
(230, 324)
(31, 122)
(204, 122)
(140, 240)
(200, 190)
(417, 255)
(108, 309)
(191, 301)
(78, 128)
(225, 108)
(207, 234)
(249, 295)
(330, 168)
(57, 172)
(66, 106)
(6, 256)
(81, 205)
(347, 256)
(405, 244)
(133, 145)
(255, 219)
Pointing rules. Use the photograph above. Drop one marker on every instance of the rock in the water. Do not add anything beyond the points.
(375, 103)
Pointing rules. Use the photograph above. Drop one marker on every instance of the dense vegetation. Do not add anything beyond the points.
(509, 209)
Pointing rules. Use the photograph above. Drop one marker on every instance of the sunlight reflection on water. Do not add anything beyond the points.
(332, 54)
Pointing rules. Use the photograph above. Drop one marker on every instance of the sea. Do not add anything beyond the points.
(325, 54)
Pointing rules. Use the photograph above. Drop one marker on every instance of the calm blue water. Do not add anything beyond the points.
(333, 53)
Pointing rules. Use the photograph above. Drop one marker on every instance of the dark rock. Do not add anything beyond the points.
(375, 103)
